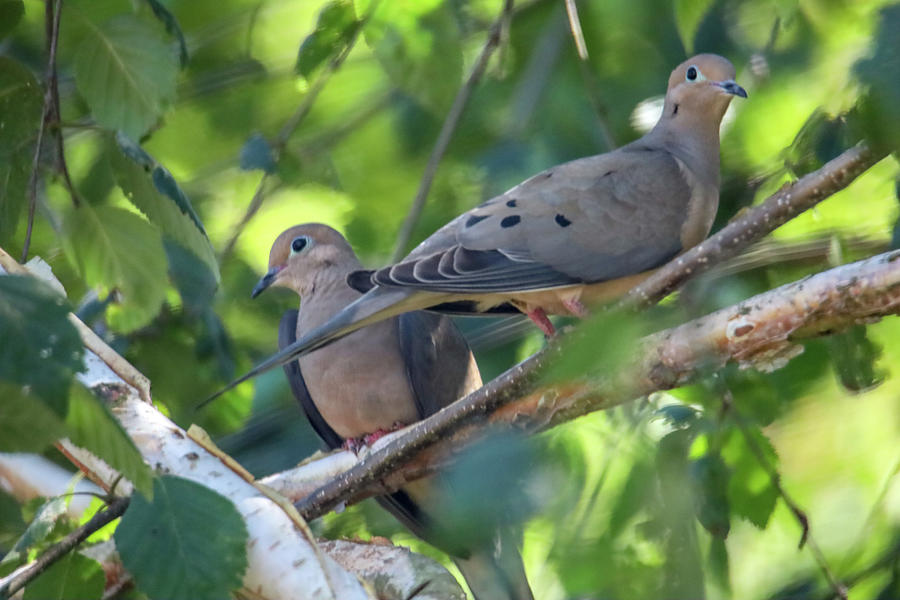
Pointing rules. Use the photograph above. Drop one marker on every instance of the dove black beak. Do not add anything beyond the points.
(265, 281)
(730, 87)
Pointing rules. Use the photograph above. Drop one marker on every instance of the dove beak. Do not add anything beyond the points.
(730, 87)
(265, 281)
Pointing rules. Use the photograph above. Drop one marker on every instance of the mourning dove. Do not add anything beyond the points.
(391, 374)
(578, 233)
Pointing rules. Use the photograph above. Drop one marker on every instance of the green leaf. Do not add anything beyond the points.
(189, 543)
(257, 154)
(41, 348)
(881, 74)
(11, 523)
(39, 528)
(172, 27)
(126, 72)
(26, 423)
(600, 344)
(418, 45)
(710, 476)
(751, 493)
(688, 16)
(93, 427)
(334, 29)
(74, 577)
(113, 248)
(20, 115)
(11, 12)
(161, 200)
(854, 355)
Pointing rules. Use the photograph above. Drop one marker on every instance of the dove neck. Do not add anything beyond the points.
(326, 293)
(692, 138)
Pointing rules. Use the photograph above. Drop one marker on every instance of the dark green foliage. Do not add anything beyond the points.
(189, 542)
(336, 26)
(881, 74)
(40, 348)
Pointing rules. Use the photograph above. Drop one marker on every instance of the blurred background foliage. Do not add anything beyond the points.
(176, 114)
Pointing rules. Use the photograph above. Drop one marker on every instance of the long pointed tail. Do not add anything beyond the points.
(496, 573)
(376, 305)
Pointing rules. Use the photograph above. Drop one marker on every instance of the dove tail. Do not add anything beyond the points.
(497, 574)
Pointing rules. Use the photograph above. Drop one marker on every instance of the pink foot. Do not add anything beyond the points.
(540, 319)
(376, 435)
(354, 445)
(574, 306)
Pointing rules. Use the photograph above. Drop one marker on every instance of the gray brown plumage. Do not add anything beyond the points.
(393, 373)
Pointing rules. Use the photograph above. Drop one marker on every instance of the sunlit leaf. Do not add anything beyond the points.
(114, 248)
(189, 543)
(153, 190)
(11, 12)
(601, 344)
(336, 26)
(126, 72)
(418, 45)
(256, 153)
(41, 349)
(688, 16)
(92, 426)
(73, 577)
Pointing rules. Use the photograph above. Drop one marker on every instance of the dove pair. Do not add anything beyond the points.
(574, 235)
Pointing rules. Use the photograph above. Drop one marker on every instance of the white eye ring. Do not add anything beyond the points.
(300, 243)
(693, 74)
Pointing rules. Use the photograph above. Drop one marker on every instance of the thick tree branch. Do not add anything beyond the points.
(760, 332)
(450, 122)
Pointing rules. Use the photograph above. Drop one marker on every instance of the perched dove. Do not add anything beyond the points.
(578, 233)
(391, 374)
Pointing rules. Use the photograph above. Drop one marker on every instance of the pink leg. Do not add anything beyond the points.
(371, 438)
(574, 306)
(354, 445)
(540, 319)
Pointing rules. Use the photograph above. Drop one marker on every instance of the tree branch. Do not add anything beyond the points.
(447, 129)
(761, 332)
(17, 580)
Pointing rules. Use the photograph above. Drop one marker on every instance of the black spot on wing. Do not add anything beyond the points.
(511, 203)
(475, 219)
(361, 281)
(510, 221)
(562, 221)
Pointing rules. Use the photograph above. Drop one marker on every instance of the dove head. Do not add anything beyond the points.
(306, 256)
(700, 90)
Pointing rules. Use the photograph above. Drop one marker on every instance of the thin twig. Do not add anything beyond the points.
(125, 581)
(51, 22)
(288, 129)
(17, 580)
(450, 122)
(575, 27)
(806, 536)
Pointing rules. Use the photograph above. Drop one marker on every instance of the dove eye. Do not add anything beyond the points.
(694, 74)
(299, 244)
